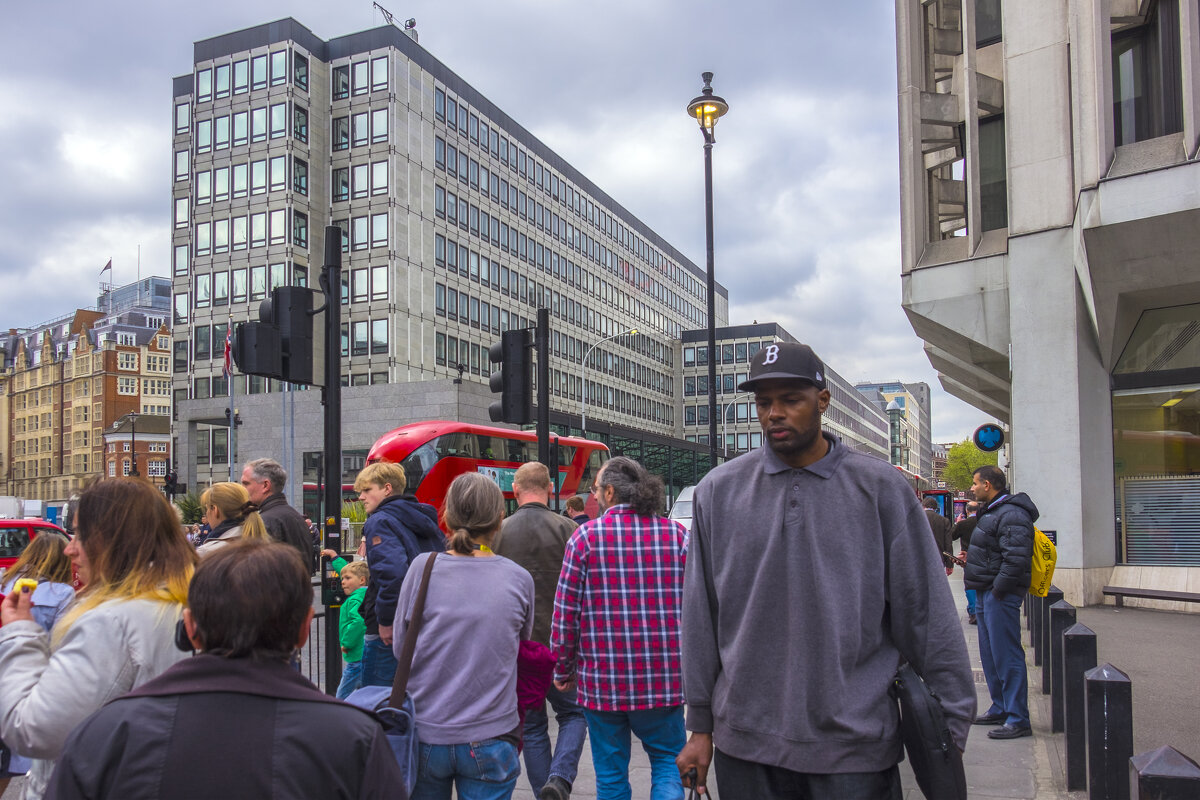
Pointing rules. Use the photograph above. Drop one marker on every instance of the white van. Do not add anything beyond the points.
(681, 511)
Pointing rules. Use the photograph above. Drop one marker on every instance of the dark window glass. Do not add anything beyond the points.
(993, 182)
(341, 82)
(987, 22)
(300, 71)
(1147, 78)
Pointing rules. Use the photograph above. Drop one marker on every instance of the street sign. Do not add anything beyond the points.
(988, 437)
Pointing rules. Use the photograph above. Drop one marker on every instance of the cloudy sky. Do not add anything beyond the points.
(805, 164)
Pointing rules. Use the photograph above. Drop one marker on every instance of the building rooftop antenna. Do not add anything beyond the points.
(410, 24)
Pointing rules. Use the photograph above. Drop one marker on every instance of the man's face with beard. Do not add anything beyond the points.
(790, 414)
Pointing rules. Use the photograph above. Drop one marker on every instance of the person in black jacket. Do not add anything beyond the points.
(962, 532)
(264, 479)
(999, 566)
(397, 530)
(235, 721)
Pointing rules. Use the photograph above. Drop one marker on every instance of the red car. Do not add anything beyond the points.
(15, 536)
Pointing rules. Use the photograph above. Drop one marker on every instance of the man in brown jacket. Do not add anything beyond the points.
(941, 527)
(535, 537)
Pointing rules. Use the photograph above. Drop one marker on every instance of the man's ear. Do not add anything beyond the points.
(193, 630)
(823, 400)
(302, 634)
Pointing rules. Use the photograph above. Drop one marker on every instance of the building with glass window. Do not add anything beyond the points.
(457, 224)
(68, 380)
(850, 417)
(908, 409)
(1050, 226)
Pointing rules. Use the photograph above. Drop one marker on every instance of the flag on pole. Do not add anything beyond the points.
(107, 268)
(229, 348)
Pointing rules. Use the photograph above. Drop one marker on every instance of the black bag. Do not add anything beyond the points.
(935, 758)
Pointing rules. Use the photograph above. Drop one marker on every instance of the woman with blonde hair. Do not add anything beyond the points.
(46, 562)
(232, 517)
(134, 564)
(478, 609)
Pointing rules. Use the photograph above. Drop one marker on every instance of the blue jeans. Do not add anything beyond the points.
(378, 662)
(970, 593)
(484, 770)
(572, 730)
(351, 678)
(1002, 656)
(662, 735)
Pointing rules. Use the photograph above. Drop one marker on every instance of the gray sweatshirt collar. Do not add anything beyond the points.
(825, 468)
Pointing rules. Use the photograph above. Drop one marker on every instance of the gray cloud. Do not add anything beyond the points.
(805, 164)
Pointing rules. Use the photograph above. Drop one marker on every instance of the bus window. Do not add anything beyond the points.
(418, 464)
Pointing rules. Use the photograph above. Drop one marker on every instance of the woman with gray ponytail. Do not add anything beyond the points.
(464, 671)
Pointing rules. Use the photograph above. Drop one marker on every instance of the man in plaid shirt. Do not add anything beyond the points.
(616, 629)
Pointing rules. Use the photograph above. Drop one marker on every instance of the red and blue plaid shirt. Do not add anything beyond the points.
(616, 612)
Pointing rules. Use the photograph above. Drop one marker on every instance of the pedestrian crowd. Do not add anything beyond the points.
(778, 622)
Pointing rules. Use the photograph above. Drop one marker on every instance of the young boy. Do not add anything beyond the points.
(352, 628)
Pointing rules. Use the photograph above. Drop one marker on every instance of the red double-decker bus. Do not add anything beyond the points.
(434, 453)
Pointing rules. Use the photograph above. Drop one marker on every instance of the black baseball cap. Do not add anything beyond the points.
(785, 361)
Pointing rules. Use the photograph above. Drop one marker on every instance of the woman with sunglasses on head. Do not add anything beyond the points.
(134, 564)
(232, 517)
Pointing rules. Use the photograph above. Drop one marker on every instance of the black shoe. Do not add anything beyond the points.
(555, 789)
(1009, 732)
(971, 619)
(991, 719)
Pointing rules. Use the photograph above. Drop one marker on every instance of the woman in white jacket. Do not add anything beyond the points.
(135, 565)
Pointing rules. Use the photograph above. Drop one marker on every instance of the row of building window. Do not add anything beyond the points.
(359, 77)
(244, 127)
(248, 178)
(243, 75)
(736, 353)
(468, 126)
(355, 130)
(260, 229)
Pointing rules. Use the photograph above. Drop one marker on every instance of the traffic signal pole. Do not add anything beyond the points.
(331, 395)
(542, 346)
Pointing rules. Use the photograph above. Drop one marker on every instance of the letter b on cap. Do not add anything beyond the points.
(772, 351)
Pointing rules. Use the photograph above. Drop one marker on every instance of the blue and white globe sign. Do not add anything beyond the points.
(989, 437)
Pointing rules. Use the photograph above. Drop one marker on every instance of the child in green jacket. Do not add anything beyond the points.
(352, 627)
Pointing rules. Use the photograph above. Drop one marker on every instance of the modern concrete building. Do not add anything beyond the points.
(69, 379)
(457, 224)
(909, 412)
(1050, 202)
(850, 416)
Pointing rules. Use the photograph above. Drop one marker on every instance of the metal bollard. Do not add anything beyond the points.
(1035, 627)
(1079, 656)
(1163, 774)
(1062, 616)
(1053, 596)
(1109, 732)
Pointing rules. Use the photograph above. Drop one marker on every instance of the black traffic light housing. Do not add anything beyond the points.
(280, 345)
(513, 377)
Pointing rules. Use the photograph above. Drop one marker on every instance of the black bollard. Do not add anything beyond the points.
(1109, 732)
(1035, 627)
(1079, 656)
(1053, 596)
(1062, 616)
(1163, 774)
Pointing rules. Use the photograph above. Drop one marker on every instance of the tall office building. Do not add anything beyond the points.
(457, 225)
(1050, 226)
(909, 413)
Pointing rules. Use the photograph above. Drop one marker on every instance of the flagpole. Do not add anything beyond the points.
(227, 367)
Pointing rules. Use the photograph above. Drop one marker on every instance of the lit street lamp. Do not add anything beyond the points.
(583, 377)
(707, 109)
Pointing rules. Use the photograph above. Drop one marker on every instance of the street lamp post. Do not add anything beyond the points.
(725, 420)
(583, 377)
(133, 470)
(707, 109)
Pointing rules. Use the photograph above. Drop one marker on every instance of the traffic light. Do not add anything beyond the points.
(170, 480)
(280, 344)
(513, 377)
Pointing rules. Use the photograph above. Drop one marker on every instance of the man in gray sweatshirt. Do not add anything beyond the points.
(811, 575)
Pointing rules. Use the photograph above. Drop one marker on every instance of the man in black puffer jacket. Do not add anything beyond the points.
(998, 568)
